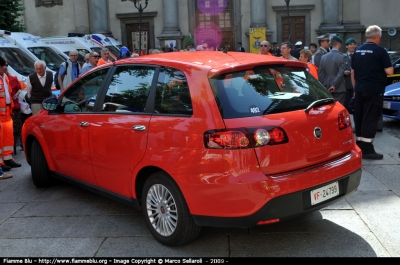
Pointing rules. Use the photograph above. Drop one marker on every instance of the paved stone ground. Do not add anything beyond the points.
(65, 221)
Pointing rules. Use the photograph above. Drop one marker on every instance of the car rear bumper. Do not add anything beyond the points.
(286, 206)
(393, 112)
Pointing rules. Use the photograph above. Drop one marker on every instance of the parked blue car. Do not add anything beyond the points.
(391, 101)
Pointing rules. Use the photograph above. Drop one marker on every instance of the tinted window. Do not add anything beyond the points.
(172, 95)
(18, 60)
(81, 97)
(113, 49)
(129, 89)
(263, 91)
(394, 57)
(53, 60)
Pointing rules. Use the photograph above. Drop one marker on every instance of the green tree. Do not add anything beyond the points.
(10, 13)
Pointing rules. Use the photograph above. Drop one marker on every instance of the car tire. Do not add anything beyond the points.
(41, 175)
(166, 213)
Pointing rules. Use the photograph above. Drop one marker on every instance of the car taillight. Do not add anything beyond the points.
(344, 119)
(227, 140)
(271, 137)
(244, 138)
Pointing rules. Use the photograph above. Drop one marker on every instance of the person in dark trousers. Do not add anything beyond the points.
(370, 66)
(351, 47)
(331, 71)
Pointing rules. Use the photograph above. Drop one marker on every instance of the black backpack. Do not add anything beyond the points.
(56, 84)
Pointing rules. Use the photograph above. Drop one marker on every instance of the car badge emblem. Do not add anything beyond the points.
(317, 132)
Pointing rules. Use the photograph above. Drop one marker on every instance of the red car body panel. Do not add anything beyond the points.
(214, 182)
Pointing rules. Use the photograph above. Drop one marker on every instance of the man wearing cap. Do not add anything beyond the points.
(350, 46)
(296, 51)
(240, 48)
(370, 66)
(275, 51)
(323, 42)
(331, 70)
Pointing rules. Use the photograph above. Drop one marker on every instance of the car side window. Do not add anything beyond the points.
(81, 97)
(129, 89)
(172, 94)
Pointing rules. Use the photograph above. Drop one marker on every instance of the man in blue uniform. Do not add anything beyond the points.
(370, 66)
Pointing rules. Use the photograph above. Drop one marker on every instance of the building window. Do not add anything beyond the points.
(48, 3)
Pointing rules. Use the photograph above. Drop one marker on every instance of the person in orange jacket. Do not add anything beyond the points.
(305, 57)
(264, 48)
(6, 107)
(16, 115)
(104, 57)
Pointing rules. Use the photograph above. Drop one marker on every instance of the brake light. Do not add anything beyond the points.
(228, 140)
(344, 120)
(244, 138)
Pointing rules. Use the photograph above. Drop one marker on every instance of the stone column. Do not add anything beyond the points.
(351, 21)
(99, 17)
(258, 14)
(171, 30)
(330, 21)
(81, 17)
(170, 17)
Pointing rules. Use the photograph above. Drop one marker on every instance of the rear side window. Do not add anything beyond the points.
(172, 94)
(129, 89)
(263, 91)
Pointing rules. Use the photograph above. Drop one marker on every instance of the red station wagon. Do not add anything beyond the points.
(199, 139)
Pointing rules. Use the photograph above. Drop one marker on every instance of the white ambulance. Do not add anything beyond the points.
(20, 64)
(106, 42)
(37, 49)
(65, 49)
(81, 44)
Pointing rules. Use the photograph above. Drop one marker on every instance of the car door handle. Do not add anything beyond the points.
(83, 124)
(139, 128)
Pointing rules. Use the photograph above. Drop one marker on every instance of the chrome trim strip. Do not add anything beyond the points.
(328, 165)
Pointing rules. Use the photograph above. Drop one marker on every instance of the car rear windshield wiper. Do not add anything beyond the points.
(320, 102)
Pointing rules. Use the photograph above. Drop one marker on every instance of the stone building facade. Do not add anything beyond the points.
(227, 21)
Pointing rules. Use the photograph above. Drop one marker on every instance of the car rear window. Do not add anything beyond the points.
(265, 90)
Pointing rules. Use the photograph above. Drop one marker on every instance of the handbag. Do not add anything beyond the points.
(24, 107)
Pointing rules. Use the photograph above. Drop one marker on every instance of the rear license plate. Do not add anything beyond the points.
(386, 105)
(324, 193)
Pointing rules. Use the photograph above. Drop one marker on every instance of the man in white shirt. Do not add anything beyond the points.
(39, 85)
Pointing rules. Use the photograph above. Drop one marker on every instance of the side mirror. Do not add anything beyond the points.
(50, 104)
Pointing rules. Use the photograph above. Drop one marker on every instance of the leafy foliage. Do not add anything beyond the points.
(11, 11)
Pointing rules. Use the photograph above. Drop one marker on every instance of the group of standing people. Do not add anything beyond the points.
(360, 73)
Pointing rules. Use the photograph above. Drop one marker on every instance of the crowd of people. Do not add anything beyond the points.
(359, 74)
